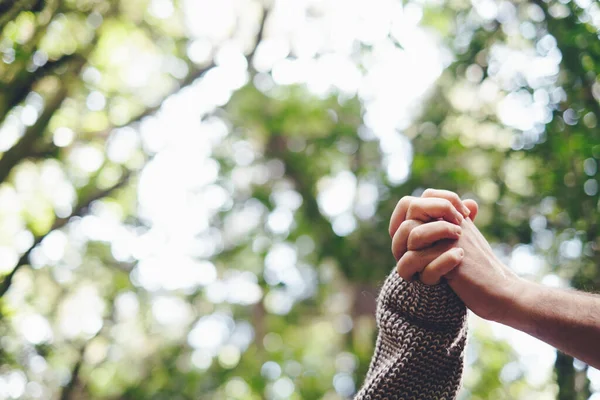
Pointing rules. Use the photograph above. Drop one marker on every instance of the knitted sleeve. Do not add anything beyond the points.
(419, 350)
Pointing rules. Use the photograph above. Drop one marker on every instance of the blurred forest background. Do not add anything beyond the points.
(194, 194)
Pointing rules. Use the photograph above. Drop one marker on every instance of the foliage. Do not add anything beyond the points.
(194, 203)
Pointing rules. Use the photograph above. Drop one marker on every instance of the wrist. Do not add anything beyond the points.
(517, 298)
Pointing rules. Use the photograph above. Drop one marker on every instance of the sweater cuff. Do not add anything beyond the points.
(434, 307)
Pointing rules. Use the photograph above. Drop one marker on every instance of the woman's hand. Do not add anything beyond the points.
(424, 233)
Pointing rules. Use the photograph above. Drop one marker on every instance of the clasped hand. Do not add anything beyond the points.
(434, 239)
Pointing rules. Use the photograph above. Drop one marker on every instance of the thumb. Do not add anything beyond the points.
(473, 207)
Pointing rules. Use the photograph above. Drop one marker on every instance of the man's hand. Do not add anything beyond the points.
(482, 281)
(429, 247)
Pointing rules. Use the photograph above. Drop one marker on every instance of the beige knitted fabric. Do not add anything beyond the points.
(421, 341)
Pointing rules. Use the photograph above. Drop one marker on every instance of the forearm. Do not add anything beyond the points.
(566, 319)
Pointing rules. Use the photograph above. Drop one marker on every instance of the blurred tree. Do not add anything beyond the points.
(179, 220)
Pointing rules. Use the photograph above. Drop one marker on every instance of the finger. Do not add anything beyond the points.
(413, 262)
(473, 207)
(433, 273)
(400, 239)
(425, 235)
(428, 209)
(451, 197)
(399, 214)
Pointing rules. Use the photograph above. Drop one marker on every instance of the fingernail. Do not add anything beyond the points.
(460, 252)
(466, 211)
(460, 218)
(457, 229)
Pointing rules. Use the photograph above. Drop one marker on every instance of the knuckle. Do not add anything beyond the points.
(450, 194)
(409, 257)
(396, 249)
(448, 228)
(415, 238)
(405, 226)
(403, 266)
(412, 207)
(400, 229)
(447, 205)
(405, 201)
(454, 257)
(400, 210)
(401, 269)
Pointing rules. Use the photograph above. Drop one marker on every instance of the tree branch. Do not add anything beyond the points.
(152, 110)
(18, 90)
(70, 387)
(79, 211)
(68, 390)
(20, 150)
(259, 38)
(24, 147)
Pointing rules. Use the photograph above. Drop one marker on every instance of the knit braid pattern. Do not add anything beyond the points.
(420, 346)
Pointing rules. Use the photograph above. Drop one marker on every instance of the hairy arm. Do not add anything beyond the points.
(566, 319)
